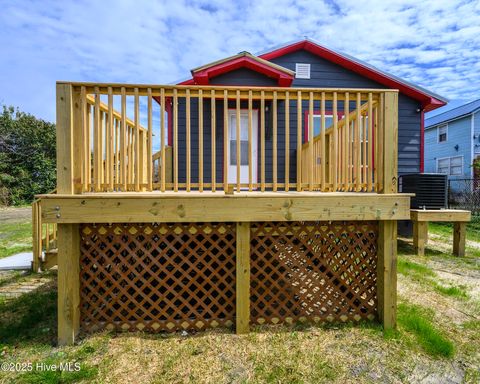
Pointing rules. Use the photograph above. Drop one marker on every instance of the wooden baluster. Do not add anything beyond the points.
(376, 140)
(97, 156)
(137, 140)
(262, 141)
(117, 151)
(149, 142)
(188, 140)
(347, 142)
(200, 140)
(310, 142)
(287, 141)
(358, 117)
(237, 126)
(226, 143)
(88, 156)
(47, 238)
(364, 151)
(109, 142)
(275, 140)
(85, 133)
(175, 140)
(162, 141)
(323, 152)
(335, 143)
(123, 142)
(250, 139)
(300, 165)
(370, 139)
(213, 121)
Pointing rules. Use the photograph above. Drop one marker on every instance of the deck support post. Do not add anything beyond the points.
(68, 283)
(387, 273)
(387, 236)
(459, 231)
(243, 278)
(69, 177)
(420, 237)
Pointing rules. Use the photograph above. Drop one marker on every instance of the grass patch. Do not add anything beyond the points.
(454, 291)
(406, 268)
(416, 320)
(15, 238)
(30, 318)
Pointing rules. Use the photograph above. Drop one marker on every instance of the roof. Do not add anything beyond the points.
(429, 100)
(261, 63)
(201, 75)
(454, 113)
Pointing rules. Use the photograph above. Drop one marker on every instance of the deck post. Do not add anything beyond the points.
(459, 231)
(387, 237)
(69, 163)
(243, 278)
(420, 236)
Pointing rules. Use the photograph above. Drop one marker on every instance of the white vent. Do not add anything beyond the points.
(302, 71)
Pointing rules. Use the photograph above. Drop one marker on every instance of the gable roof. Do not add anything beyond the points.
(429, 100)
(454, 113)
(201, 75)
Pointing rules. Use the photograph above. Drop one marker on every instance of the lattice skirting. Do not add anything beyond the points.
(170, 277)
(157, 277)
(313, 271)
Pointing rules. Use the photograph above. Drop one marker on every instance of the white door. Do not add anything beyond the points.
(232, 147)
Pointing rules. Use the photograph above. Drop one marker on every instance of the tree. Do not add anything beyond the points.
(27, 157)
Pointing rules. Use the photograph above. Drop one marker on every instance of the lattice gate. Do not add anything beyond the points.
(170, 277)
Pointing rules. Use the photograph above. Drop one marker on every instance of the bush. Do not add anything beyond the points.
(27, 157)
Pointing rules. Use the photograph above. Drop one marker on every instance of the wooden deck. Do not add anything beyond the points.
(109, 175)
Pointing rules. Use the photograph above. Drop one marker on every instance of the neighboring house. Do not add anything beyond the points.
(452, 142)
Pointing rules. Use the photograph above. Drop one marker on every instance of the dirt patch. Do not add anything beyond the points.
(15, 215)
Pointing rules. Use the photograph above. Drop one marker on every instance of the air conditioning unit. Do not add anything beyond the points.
(431, 190)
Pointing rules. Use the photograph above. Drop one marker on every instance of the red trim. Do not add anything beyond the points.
(203, 77)
(315, 113)
(429, 103)
(422, 141)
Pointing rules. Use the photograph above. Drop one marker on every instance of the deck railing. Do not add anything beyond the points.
(171, 138)
(44, 239)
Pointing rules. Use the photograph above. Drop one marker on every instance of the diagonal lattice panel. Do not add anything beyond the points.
(313, 271)
(157, 277)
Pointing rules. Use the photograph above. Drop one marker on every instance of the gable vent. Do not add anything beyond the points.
(302, 71)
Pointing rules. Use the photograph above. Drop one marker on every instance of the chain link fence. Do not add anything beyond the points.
(464, 194)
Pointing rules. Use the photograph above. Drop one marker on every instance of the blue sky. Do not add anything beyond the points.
(434, 43)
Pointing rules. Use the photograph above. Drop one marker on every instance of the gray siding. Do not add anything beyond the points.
(324, 74)
(327, 74)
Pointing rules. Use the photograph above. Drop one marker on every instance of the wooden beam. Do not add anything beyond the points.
(459, 231)
(68, 283)
(243, 278)
(447, 215)
(36, 235)
(69, 140)
(420, 237)
(387, 273)
(245, 206)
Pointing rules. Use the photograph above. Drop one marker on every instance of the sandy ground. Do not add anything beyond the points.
(12, 215)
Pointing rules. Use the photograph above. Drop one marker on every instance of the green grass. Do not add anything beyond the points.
(406, 267)
(15, 238)
(416, 320)
(453, 291)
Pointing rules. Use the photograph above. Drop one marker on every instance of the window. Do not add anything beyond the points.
(302, 71)
(442, 133)
(452, 166)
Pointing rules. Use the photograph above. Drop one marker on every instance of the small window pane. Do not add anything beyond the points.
(456, 161)
(456, 170)
(442, 133)
(243, 152)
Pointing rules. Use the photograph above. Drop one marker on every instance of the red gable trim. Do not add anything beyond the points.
(429, 103)
(203, 77)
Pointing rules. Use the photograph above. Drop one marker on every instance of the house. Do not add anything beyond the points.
(272, 198)
(452, 143)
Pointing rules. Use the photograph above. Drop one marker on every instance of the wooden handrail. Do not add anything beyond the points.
(346, 156)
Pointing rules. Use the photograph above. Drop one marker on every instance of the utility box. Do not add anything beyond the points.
(430, 189)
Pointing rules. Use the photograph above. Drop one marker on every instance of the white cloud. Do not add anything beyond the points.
(433, 42)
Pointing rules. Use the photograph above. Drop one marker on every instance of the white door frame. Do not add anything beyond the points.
(232, 169)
